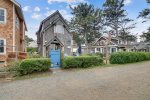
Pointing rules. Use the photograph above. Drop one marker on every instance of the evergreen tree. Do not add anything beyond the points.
(146, 12)
(86, 23)
(114, 13)
(146, 35)
(28, 40)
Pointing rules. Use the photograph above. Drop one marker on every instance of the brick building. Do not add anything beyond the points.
(12, 30)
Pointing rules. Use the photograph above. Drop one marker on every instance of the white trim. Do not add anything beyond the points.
(14, 25)
(4, 53)
(113, 48)
(16, 3)
(5, 15)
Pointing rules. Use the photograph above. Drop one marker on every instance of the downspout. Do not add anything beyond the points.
(13, 28)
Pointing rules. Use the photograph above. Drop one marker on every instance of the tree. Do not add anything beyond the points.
(146, 35)
(146, 12)
(114, 14)
(124, 32)
(86, 23)
(28, 40)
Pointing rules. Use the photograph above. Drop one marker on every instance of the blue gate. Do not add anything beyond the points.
(55, 58)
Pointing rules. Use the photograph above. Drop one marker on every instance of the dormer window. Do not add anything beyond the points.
(2, 15)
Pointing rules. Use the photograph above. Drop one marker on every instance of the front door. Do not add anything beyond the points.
(55, 58)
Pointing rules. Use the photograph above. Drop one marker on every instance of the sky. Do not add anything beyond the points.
(37, 10)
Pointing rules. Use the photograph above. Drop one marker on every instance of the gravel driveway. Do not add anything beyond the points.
(123, 82)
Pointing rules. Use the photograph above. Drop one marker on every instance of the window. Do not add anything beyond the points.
(113, 50)
(2, 15)
(17, 22)
(99, 49)
(2, 46)
(59, 29)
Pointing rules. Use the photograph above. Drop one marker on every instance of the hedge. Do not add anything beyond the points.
(81, 62)
(129, 57)
(93, 54)
(29, 66)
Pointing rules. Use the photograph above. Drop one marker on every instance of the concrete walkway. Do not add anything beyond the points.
(123, 82)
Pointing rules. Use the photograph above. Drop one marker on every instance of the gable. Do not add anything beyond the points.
(102, 41)
(55, 40)
(52, 20)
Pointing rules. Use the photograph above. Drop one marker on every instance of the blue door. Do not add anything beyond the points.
(55, 58)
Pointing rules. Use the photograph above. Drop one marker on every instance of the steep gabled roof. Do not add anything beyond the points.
(55, 39)
(19, 11)
(57, 12)
(103, 38)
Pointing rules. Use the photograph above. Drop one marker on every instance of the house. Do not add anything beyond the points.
(32, 44)
(12, 30)
(53, 34)
(103, 43)
(141, 47)
(108, 45)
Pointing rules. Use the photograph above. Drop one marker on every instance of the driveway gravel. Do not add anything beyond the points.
(120, 82)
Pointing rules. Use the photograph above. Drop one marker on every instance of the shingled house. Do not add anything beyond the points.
(54, 34)
(12, 30)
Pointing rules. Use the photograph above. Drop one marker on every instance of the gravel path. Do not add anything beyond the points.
(123, 82)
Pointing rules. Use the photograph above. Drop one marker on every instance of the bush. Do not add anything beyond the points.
(129, 57)
(29, 66)
(13, 68)
(34, 55)
(93, 54)
(32, 49)
(81, 62)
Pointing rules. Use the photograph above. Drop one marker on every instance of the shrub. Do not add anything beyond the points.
(81, 62)
(29, 66)
(13, 67)
(34, 55)
(32, 49)
(129, 57)
(93, 54)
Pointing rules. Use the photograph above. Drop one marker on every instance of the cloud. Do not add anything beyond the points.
(47, 8)
(127, 2)
(36, 16)
(65, 1)
(64, 13)
(27, 9)
(37, 9)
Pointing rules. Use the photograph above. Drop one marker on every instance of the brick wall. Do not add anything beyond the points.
(19, 41)
(6, 29)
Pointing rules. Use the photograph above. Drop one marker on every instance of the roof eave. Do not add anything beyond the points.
(18, 7)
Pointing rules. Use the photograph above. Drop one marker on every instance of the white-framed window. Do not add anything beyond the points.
(2, 46)
(59, 29)
(2, 15)
(17, 22)
(113, 50)
(98, 49)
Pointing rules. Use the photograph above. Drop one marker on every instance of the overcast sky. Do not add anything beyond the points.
(37, 10)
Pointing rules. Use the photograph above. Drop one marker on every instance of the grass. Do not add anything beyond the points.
(49, 73)
(34, 75)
